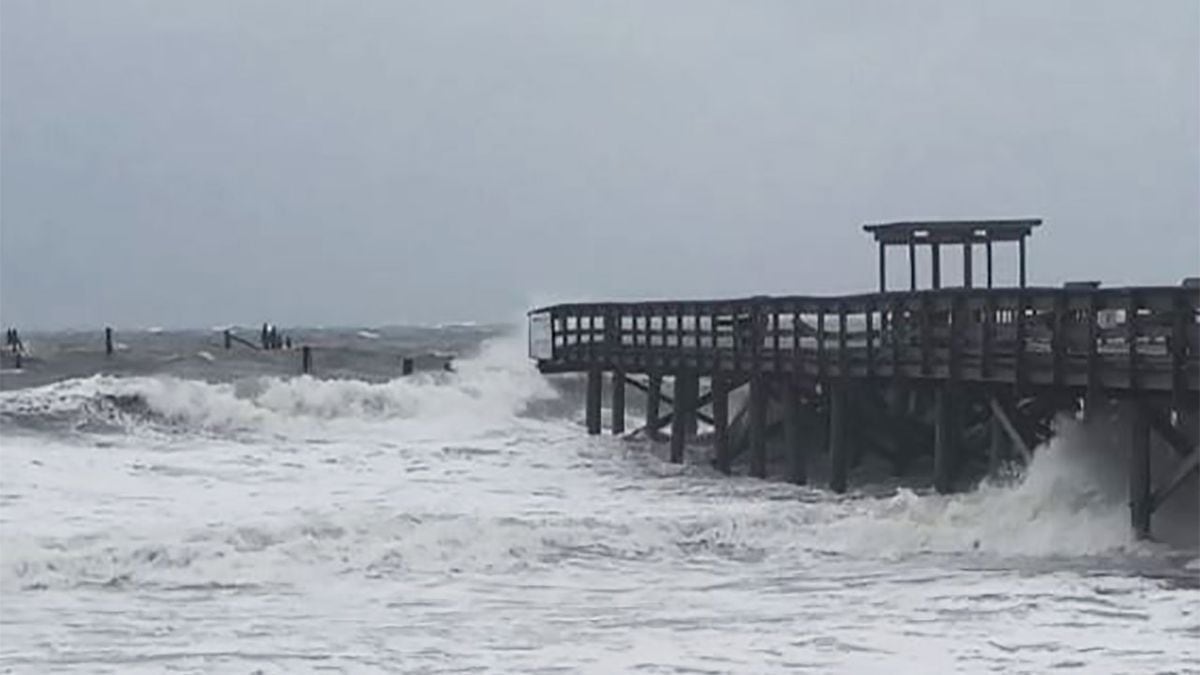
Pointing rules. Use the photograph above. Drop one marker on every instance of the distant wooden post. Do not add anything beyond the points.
(406, 366)
(618, 402)
(306, 359)
(595, 383)
(108, 341)
(228, 339)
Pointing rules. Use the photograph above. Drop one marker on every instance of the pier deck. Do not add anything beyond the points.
(962, 369)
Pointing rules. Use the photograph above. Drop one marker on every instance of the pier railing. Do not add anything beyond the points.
(1098, 338)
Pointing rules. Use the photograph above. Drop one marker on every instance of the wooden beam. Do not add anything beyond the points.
(654, 424)
(1187, 467)
(882, 267)
(1161, 424)
(1001, 414)
(936, 251)
(912, 265)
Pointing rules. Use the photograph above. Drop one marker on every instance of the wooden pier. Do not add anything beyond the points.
(969, 374)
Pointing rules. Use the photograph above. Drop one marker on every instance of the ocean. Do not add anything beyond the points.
(179, 507)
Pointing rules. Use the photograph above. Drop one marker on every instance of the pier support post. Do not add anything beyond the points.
(618, 402)
(946, 437)
(108, 341)
(997, 445)
(678, 439)
(797, 461)
(595, 380)
(687, 392)
(1140, 507)
(228, 339)
(406, 365)
(758, 426)
(720, 409)
(653, 403)
(839, 456)
(306, 359)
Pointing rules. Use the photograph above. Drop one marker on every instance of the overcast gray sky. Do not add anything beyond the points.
(363, 163)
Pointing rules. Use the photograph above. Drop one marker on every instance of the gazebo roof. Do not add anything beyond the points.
(952, 231)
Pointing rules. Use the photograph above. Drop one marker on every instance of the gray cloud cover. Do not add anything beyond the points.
(191, 164)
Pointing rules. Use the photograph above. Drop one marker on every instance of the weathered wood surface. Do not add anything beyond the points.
(1097, 338)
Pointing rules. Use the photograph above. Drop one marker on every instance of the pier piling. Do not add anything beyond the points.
(839, 455)
(653, 402)
(946, 439)
(720, 409)
(618, 402)
(108, 341)
(1139, 473)
(306, 359)
(793, 441)
(595, 384)
(759, 399)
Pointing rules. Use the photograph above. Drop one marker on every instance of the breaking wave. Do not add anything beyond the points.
(489, 389)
